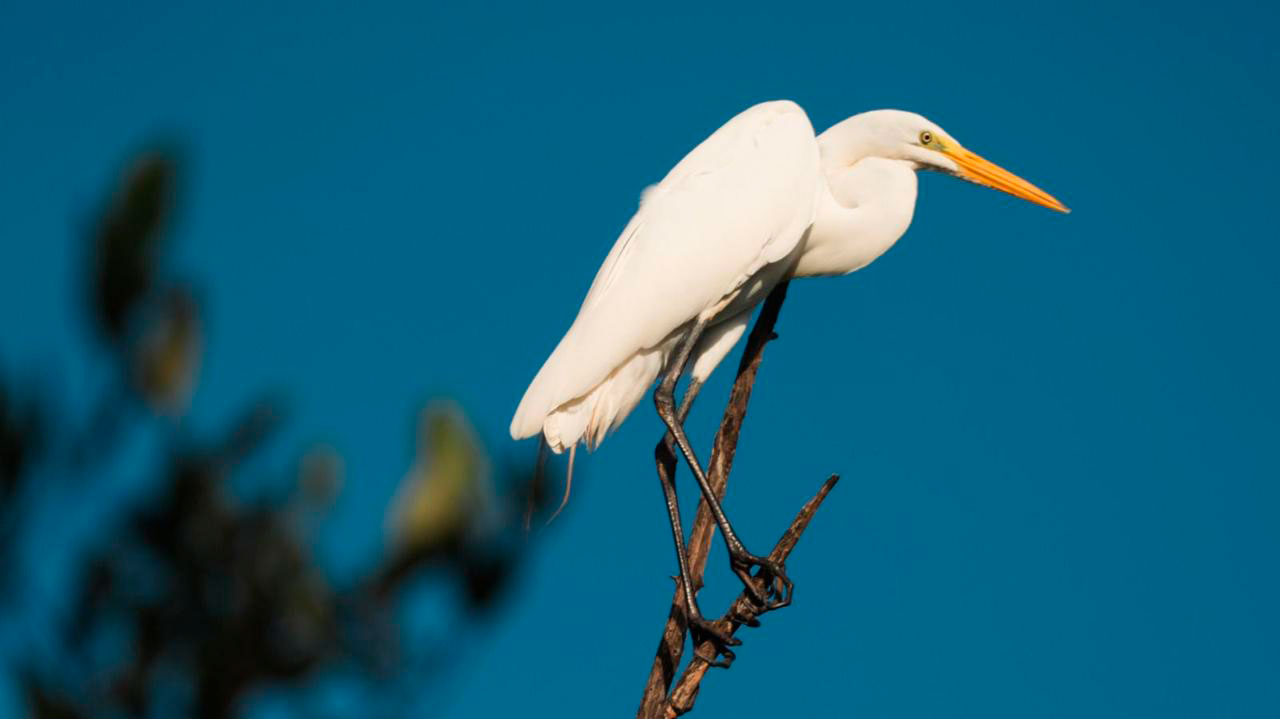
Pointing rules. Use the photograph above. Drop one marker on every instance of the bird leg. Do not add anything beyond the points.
(777, 584)
(699, 627)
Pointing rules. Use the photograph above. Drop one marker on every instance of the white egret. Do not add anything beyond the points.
(760, 201)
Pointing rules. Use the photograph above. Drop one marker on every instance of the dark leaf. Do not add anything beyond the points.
(127, 243)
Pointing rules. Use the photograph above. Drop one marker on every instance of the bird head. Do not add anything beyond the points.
(901, 135)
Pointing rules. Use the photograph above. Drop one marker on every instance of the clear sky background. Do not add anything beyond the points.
(1058, 433)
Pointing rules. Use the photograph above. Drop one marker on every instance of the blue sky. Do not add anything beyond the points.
(1057, 432)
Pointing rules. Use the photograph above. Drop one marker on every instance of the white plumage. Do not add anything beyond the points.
(736, 204)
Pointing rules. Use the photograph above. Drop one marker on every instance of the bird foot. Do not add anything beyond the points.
(701, 631)
(777, 587)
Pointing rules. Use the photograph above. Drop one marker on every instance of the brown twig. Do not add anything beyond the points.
(656, 702)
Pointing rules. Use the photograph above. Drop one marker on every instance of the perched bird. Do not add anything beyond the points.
(760, 201)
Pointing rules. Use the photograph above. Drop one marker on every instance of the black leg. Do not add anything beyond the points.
(665, 456)
(699, 627)
(740, 560)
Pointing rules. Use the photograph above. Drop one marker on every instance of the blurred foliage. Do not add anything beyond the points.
(195, 597)
(127, 243)
(167, 355)
(446, 495)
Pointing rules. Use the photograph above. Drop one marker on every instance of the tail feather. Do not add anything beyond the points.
(591, 416)
(588, 418)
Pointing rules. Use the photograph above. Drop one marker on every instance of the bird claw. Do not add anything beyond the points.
(702, 630)
(778, 587)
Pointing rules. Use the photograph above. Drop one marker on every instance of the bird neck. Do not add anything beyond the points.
(873, 134)
(863, 210)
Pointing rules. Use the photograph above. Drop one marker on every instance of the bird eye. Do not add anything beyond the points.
(926, 137)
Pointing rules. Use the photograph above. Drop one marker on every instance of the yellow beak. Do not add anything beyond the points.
(984, 172)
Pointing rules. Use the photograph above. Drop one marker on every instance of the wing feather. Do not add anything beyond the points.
(740, 200)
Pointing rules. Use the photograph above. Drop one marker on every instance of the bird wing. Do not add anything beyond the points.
(740, 200)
